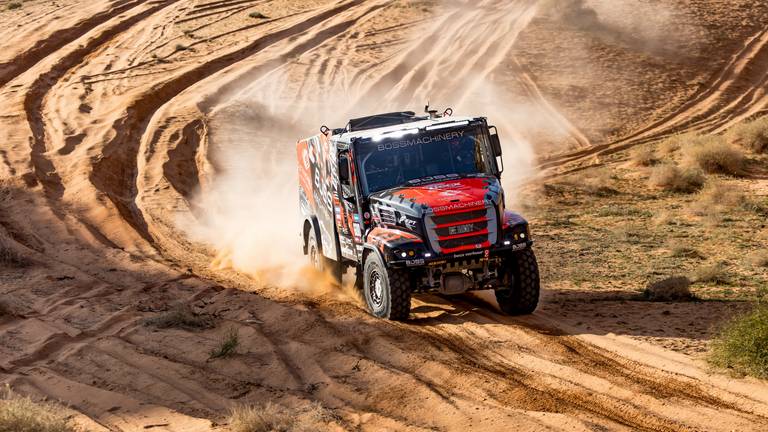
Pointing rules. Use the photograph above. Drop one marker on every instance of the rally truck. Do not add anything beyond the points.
(414, 204)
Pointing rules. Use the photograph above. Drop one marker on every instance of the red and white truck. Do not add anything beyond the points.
(414, 204)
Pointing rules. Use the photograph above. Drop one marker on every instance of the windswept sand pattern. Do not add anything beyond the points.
(114, 123)
(733, 94)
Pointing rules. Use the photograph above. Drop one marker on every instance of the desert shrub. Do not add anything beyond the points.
(644, 156)
(9, 256)
(14, 5)
(181, 47)
(716, 199)
(623, 211)
(759, 259)
(671, 178)
(270, 417)
(685, 251)
(671, 289)
(742, 344)
(714, 155)
(22, 414)
(756, 205)
(752, 135)
(227, 346)
(180, 316)
(257, 15)
(674, 143)
(599, 183)
(714, 273)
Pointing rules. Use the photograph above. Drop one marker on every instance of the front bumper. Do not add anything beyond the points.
(443, 259)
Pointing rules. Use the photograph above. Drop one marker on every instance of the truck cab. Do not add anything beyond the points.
(414, 204)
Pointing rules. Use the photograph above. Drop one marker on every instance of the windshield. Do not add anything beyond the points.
(392, 162)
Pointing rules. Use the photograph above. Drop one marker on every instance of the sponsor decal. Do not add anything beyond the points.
(407, 222)
(468, 254)
(420, 140)
(433, 178)
(458, 206)
(519, 246)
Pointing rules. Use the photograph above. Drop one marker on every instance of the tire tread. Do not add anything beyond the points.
(523, 297)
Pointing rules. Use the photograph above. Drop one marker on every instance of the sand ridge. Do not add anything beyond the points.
(122, 119)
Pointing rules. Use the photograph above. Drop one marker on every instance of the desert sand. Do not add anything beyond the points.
(147, 155)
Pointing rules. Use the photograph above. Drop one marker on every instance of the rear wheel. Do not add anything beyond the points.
(522, 296)
(321, 263)
(387, 291)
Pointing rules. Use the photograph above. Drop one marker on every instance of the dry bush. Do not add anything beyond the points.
(227, 346)
(756, 205)
(716, 199)
(275, 418)
(716, 273)
(599, 183)
(675, 142)
(752, 135)
(22, 414)
(742, 345)
(686, 251)
(180, 316)
(759, 259)
(671, 178)
(644, 156)
(671, 289)
(9, 256)
(713, 155)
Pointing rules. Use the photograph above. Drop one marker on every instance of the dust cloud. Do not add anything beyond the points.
(250, 206)
(641, 25)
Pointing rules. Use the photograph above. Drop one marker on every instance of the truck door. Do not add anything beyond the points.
(348, 212)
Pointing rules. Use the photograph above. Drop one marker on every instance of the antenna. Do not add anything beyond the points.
(432, 113)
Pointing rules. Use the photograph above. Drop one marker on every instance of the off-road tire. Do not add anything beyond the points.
(320, 262)
(392, 300)
(523, 296)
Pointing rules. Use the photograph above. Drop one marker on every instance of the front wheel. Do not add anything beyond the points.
(387, 291)
(522, 297)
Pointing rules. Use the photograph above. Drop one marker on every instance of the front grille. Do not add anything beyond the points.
(477, 226)
(458, 217)
(447, 233)
(463, 241)
(388, 216)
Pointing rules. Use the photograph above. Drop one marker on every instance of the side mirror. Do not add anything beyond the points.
(496, 149)
(495, 142)
(344, 169)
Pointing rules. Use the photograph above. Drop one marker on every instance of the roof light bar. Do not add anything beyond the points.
(447, 125)
(395, 134)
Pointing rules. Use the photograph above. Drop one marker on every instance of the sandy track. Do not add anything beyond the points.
(109, 134)
(730, 96)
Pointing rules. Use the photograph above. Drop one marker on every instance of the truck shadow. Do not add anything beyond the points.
(682, 326)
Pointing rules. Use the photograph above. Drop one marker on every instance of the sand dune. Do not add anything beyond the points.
(147, 160)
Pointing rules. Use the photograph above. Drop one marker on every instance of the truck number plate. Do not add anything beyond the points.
(460, 229)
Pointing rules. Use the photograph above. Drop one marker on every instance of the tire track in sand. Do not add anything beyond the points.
(44, 169)
(732, 94)
(59, 39)
(114, 174)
